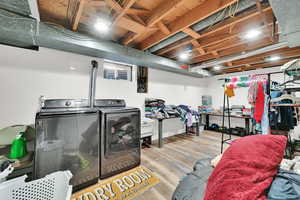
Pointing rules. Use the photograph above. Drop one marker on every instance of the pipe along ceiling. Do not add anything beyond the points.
(27, 32)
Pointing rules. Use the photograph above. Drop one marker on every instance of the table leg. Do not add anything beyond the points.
(160, 136)
(247, 126)
(207, 122)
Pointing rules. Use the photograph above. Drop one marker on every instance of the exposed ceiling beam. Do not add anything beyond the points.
(196, 14)
(257, 66)
(162, 10)
(192, 33)
(141, 12)
(157, 14)
(260, 10)
(197, 46)
(235, 50)
(163, 27)
(221, 42)
(226, 24)
(216, 54)
(78, 14)
(127, 5)
(138, 19)
(114, 5)
(123, 20)
(131, 25)
(284, 52)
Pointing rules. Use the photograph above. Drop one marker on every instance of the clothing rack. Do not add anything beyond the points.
(228, 139)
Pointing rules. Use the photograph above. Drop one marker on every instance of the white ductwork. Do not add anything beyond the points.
(287, 14)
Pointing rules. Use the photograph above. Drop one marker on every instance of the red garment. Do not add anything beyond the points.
(246, 169)
(259, 103)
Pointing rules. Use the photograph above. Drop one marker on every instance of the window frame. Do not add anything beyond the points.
(118, 67)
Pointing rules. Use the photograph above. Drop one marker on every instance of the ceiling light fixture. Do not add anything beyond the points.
(217, 67)
(273, 58)
(72, 68)
(102, 25)
(252, 34)
(184, 56)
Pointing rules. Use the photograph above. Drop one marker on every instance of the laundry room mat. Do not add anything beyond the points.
(123, 186)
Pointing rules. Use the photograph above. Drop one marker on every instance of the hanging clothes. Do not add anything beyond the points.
(283, 118)
(229, 91)
(252, 92)
(265, 126)
(259, 103)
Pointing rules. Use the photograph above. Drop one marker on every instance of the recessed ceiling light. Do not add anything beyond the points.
(217, 67)
(102, 25)
(252, 34)
(273, 58)
(184, 56)
(72, 68)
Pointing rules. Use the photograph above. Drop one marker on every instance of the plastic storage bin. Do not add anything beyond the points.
(52, 187)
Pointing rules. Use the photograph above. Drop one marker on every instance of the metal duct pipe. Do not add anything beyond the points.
(92, 86)
(203, 24)
(21, 7)
(287, 15)
(27, 32)
(239, 56)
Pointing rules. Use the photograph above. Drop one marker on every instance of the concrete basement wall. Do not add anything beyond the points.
(26, 74)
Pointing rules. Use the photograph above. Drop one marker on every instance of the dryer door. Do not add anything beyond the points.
(120, 135)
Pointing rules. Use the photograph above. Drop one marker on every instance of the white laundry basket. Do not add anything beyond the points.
(52, 187)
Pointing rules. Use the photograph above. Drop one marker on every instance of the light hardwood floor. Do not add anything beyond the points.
(175, 159)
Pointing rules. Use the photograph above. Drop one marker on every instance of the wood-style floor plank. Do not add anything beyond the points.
(176, 159)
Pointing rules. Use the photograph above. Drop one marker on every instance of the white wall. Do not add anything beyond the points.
(216, 90)
(26, 74)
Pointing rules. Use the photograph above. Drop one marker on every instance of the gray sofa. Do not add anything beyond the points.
(192, 186)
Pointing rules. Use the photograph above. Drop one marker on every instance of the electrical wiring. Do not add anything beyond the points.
(227, 12)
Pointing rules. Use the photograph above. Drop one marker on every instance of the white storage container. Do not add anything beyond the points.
(147, 127)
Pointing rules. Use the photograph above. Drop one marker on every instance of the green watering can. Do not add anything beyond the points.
(18, 147)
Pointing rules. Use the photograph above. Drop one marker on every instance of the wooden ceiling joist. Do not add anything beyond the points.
(140, 12)
(284, 52)
(222, 42)
(127, 5)
(157, 15)
(258, 66)
(138, 19)
(114, 5)
(234, 50)
(131, 25)
(163, 28)
(197, 46)
(198, 13)
(216, 54)
(78, 14)
(191, 33)
(219, 27)
(121, 19)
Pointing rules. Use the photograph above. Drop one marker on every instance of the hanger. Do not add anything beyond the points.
(286, 96)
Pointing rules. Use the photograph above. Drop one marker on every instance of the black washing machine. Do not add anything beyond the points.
(67, 138)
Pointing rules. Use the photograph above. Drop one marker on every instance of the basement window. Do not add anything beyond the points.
(117, 71)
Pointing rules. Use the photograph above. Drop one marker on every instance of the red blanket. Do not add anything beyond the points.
(246, 169)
